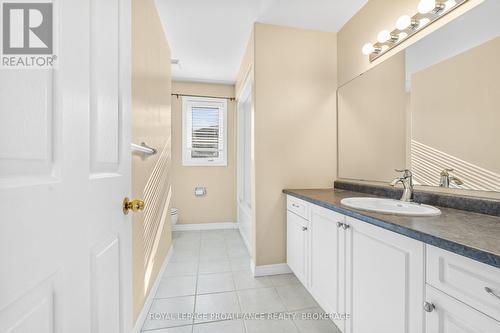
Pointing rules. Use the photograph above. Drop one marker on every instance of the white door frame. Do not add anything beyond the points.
(245, 93)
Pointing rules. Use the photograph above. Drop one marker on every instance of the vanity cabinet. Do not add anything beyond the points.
(352, 267)
(314, 240)
(384, 280)
(467, 280)
(449, 315)
(462, 295)
(297, 243)
(326, 239)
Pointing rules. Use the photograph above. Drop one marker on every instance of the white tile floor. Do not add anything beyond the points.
(209, 272)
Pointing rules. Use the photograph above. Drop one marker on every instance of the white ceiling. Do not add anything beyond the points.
(209, 36)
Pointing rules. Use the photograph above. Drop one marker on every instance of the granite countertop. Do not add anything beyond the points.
(473, 235)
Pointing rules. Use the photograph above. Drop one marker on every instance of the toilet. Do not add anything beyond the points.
(175, 215)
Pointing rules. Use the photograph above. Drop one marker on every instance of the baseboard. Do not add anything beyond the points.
(204, 226)
(149, 300)
(265, 270)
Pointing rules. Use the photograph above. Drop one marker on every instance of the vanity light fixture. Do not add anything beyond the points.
(368, 49)
(449, 4)
(383, 36)
(403, 35)
(429, 11)
(403, 22)
(424, 22)
(426, 6)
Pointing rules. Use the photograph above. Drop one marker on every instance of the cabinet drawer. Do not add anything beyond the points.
(452, 316)
(299, 207)
(469, 281)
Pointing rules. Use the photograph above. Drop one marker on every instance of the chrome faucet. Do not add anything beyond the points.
(445, 179)
(407, 180)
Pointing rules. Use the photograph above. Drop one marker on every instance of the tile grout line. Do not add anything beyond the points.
(236, 290)
(282, 301)
(196, 286)
(196, 291)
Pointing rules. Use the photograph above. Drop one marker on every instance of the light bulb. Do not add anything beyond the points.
(449, 4)
(368, 49)
(403, 35)
(383, 36)
(426, 6)
(403, 22)
(424, 22)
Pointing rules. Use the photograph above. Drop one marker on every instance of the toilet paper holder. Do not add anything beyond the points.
(200, 191)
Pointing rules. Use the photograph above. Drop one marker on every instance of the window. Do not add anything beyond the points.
(204, 131)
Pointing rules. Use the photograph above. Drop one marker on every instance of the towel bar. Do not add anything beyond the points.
(142, 148)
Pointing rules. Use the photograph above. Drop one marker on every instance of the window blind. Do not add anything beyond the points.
(206, 127)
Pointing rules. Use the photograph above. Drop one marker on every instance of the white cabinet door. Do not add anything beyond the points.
(296, 246)
(324, 257)
(384, 280)
(452, 316)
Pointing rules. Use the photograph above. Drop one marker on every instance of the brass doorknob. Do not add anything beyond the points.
(134, 205)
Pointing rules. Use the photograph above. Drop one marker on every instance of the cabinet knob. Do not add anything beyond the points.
(491, 292)
(304, 228)
(343, 225)
(429, 307)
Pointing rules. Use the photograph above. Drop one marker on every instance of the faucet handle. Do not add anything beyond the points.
(446, 171)
(407, 172)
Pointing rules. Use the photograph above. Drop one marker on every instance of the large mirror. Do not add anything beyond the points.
(433, 108)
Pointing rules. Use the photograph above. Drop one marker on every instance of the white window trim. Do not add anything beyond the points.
(187, 104)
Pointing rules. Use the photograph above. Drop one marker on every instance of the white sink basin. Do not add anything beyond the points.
(390, 206)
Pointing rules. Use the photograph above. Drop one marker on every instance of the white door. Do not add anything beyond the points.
(384, 280)
(452, 316)
(296, 245)
(65, 247)
(325, 239)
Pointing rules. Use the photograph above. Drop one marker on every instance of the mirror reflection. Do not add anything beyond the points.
(394, 117)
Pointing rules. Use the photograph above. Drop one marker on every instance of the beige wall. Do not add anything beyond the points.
(461, 117)
(363, 27)
(294, 126)
(219, 205)
(371, 117)
(151, 88)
